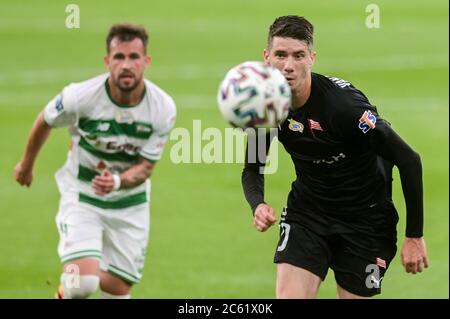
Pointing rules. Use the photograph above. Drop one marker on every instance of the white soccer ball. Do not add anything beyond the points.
(254, 95)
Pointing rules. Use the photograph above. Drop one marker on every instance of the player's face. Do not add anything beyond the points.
(293, 58)
(127, 62)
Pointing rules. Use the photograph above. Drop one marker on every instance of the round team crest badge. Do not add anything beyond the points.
(295, 126)
(123, 116)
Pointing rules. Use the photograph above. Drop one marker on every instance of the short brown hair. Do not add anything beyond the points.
(291, 27)
(127, 32)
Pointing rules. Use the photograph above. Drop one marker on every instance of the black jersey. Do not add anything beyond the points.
(342, 149)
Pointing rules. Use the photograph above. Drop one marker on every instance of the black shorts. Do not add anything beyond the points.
(359, 259)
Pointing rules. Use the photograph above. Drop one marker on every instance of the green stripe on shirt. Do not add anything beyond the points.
(124, 202)
(112, 128)
(86, 174)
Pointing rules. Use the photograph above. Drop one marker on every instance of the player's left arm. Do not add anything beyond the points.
(360, 123)
(134, 176)
(392, 147)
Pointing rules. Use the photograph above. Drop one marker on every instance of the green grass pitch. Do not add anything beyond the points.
(202, 243)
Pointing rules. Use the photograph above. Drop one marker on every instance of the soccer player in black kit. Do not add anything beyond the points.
(339, 212)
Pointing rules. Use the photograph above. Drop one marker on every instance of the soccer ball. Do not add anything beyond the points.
(254, 95)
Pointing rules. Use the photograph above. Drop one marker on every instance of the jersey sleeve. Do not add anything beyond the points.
(61, 111)
(356, 119)
(153, 149)
(359, 124)
(252, 178)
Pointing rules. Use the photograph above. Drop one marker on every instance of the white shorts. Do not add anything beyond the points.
(117, 237)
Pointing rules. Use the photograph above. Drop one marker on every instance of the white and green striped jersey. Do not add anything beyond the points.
(108, 135)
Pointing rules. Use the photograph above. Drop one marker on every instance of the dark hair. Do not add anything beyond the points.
(291, 27)
(127, 32)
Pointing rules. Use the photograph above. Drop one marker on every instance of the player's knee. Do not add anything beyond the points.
(289, 292)
(79, 287)
(105, 295)
(295, 288)
(284, 290)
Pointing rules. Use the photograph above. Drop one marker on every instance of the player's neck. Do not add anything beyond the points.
(131, 98)
(301, 96)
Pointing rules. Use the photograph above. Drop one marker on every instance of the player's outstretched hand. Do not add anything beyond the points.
(264, 217)
(103, 184)
(414, 255)
(23, 174)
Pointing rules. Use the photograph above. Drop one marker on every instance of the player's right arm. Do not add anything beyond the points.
(253, 184)
(61, 111)
(264, 217)
(38, 135)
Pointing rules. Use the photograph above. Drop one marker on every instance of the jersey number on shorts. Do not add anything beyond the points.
(285, 228)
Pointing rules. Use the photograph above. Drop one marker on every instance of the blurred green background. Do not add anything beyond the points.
(202, 242)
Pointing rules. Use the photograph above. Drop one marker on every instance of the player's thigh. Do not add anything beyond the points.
(125, 243)
(361, 255)
(303, 257)
(296, 282)
(80, 231)
(344, 294)
(360, 264)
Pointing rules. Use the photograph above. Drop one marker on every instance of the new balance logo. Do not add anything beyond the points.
(103, 127)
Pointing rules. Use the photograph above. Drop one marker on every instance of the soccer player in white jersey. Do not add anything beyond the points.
(119, 123)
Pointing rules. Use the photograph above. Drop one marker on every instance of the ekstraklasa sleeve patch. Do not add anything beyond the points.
(367, 122)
